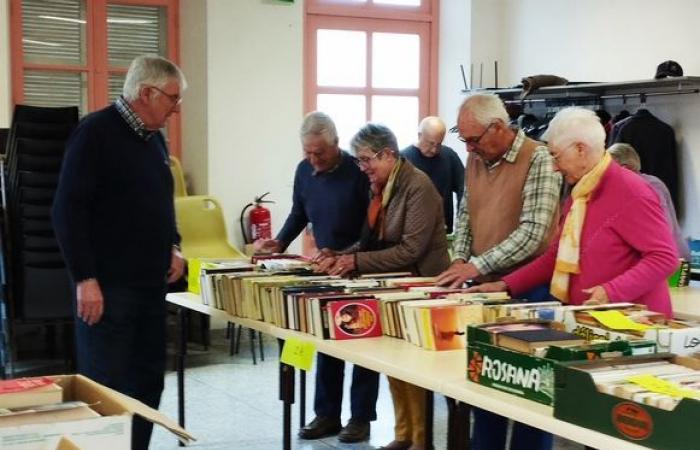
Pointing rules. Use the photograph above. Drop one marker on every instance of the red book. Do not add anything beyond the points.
(353, 319)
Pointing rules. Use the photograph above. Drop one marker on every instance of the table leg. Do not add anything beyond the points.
(429, 414)
(181, 354)
(302, 398)
(287, 397)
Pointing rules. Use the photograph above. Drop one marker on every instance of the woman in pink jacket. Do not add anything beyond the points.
(614, 243)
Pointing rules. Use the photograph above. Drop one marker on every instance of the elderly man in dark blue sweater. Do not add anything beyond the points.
(115, 222)
(331, 194)
(439, 162)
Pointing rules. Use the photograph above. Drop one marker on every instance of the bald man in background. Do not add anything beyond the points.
(439, 162)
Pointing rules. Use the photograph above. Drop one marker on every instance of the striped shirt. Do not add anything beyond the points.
(540, 202)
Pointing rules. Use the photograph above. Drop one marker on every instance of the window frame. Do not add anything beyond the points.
(96, 65)
(343, 15)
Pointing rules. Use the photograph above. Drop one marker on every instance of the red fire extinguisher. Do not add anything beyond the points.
(259, 220)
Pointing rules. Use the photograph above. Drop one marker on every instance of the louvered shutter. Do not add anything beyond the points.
(133, 31)
(53, 31)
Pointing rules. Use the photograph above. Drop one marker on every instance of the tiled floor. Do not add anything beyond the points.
(233, 404)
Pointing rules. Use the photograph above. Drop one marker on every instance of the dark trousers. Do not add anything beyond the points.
(490, 429)
(125, 350)
(329, 389)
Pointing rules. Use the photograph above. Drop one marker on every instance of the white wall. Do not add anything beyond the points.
(254, 67)
(602, 40)
(454, 49)
(5, 91)
(193, 61)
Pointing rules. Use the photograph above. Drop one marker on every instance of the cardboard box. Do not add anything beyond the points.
(578, 401)
(110, 431)
(681, 341)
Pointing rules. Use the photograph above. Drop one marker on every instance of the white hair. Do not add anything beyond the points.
(317, 123)
(432, 123)
(150, 70)
(485, 108)
(576, 124)
(626, 156)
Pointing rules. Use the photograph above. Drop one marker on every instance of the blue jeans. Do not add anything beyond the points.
(125, 350)
(490, 429)
(328, 400)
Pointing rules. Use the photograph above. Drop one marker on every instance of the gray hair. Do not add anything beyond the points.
(485, 108)
(576, 124)
(432, 123)
(150, 70)
(375, 137)
(317, 123)
(626, 156)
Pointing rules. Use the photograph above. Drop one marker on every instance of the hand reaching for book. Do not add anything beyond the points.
(598, 296)
(494, 286)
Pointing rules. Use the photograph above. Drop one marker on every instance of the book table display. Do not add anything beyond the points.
(438, 372)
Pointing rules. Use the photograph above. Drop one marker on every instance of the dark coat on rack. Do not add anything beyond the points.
(655, 141)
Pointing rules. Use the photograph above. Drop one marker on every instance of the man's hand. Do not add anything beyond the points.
(344, 264)
(598, 296)
(457, 274)
(267, 246)
(90, 301)
(494, 286)
(322, 254)
(177, 266)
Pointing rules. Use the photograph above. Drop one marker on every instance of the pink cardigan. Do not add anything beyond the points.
(626, 246)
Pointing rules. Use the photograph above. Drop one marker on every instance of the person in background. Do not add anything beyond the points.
(331, 193)
(615, 244)
(627, 156)
(114, 219)
(507, 218)
(404, 231)
(439, 162)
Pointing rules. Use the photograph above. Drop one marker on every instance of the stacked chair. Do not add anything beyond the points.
(39, 288)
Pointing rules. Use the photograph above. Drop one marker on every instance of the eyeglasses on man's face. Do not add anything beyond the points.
(364, 161)
(175, 99)
(474, 140)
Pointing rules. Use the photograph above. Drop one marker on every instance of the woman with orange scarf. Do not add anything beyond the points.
(405, 231)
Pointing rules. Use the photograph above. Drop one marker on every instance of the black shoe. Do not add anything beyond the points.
(320, 427)
(354, 431)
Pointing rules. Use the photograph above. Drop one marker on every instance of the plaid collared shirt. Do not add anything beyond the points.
(540, 201)
(133, 119)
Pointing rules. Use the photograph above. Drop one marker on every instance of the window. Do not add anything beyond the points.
(370, 60)
(77, 52)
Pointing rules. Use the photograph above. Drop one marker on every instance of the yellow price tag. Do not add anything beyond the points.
(660, 386)
(194, 267)
(298, 353)
(615, 320)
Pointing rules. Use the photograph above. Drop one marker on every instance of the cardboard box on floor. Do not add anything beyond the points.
(110, 431)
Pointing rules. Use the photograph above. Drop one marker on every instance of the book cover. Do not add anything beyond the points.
(353, 319)
(29, 392)
(526, 341)
(449, 324)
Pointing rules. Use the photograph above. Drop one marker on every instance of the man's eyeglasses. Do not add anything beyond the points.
(175, 99)
(474, 140)
(364, 161)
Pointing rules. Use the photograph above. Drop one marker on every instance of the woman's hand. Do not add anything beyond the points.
(598, 296)
(494, 286)
(343, 265)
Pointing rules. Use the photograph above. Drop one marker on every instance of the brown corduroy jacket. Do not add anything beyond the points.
(414, 230)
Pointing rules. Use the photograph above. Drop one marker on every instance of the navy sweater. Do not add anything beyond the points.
(334, 202)
(113, 213)
(447, 173)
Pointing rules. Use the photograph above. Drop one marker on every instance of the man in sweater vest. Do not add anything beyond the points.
(114, 219)
(332, 194)
(506, 218)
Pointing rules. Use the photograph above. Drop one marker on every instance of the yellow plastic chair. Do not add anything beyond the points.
(179, 186)
(200, 221)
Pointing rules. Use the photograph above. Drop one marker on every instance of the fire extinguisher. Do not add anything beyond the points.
(259, 220)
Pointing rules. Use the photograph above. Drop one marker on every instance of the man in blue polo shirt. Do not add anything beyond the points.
(332, 194)
(439, 162)
(114, 219)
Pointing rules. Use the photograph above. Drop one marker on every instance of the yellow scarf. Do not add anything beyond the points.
(570, 240)
(385, 197)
